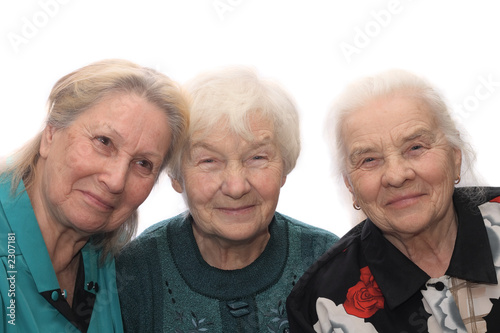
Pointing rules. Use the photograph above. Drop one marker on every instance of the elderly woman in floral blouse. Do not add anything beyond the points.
(426, 258)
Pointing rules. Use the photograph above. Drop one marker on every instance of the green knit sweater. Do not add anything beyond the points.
(165, 285)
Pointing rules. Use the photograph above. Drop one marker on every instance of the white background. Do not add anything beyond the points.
(312, 47)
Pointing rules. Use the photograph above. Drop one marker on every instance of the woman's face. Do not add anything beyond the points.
(96, 172)
(232, 185)
(400, 167)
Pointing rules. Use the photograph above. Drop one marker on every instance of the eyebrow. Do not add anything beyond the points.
(106, 126)
(198, 146)
(418, 134)
(148, 154)
(358, 152)
(254, 144)
(267, 140)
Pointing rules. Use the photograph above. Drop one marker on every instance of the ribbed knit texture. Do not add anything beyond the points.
(166, 286)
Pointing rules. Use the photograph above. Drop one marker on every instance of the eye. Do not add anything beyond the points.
(367, 163)
(416, 149)
(104, 140)
(258, 158)
(209, 164)
(145, 164)
(257, 161)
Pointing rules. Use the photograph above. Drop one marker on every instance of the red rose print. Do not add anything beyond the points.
(365, 298)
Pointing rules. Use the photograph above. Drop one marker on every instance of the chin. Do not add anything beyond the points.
(411, 226)
(89, 228)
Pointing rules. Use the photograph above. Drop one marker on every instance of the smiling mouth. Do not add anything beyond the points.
(404, 201)
(97, 201)
(236, 210)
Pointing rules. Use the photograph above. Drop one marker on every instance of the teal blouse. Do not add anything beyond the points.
(26, 271)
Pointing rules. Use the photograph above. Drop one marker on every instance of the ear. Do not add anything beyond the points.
(177, 185)
(46, 140)
(283, 181)
(458, 161)
(347, 183)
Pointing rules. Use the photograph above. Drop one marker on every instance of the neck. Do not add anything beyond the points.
(63, 243)
(431, 249)
(229, 255)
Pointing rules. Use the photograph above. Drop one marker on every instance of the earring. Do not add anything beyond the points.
(355, 205)
(457, 180)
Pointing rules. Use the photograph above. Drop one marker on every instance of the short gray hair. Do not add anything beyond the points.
(235, 94)
(390, 83)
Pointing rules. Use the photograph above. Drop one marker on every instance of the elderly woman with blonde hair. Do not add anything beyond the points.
(229, 262)
(426, 259)
(68, 198)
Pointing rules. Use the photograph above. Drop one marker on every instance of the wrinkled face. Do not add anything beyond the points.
(400, 167)
(96, 172)
(232, 185)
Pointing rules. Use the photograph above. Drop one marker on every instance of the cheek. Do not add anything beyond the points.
(270, 188)
(201, 188)
(138, 191)
(366, 186)
(80, 159)
(438, 171)
(267, 182)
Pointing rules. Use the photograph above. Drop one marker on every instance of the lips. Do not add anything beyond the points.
(98, 201)
(236, 210)
(404, 200)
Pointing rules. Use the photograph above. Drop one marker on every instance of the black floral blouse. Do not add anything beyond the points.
(364, 284)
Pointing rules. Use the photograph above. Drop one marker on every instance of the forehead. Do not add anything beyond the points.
(257, 130)
(115, 102)
(129, 119)
(119, 107)
(387, 119)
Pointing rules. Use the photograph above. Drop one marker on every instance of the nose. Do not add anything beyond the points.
(397, 171)
(235, 182)
(114, 175)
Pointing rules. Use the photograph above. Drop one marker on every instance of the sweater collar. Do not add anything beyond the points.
(227, 284)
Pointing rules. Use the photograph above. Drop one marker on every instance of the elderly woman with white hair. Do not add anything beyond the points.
(426, 259)
(230, 261)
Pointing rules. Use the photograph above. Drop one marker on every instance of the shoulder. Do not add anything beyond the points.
(476, 195)
(144, 245)
(492, 194)
(342, 253)
(350, 242)
(490, 208)
(306, 230)
(159, 228)
(326, 278)
(98, 270)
